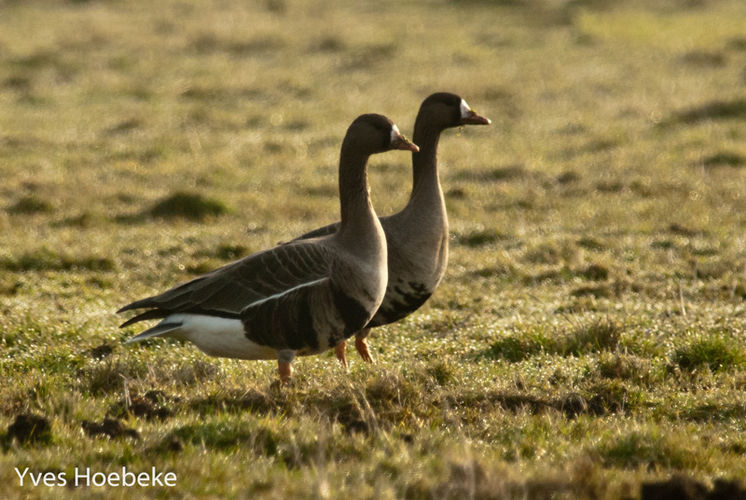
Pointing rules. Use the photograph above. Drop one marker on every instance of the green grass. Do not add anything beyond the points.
(716, 353)
(188, 205)
(586, 342)
(598, 336)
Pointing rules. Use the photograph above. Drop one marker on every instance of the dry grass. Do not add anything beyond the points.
(587, 341)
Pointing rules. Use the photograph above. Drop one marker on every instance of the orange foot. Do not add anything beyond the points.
(339, 350)
(362, 347)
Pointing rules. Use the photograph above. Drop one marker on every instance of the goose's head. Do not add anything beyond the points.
(373, 134)
(447, 110)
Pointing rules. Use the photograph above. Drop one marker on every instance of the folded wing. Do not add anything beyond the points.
(229, 289)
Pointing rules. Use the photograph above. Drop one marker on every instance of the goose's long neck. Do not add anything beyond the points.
(358, 217)
(426, 183)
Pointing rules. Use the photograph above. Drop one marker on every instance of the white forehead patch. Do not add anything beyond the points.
(465, 109)
(394, 133)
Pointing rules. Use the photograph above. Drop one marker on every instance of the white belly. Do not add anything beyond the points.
(217, 336)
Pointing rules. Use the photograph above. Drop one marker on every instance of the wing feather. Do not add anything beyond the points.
(286, 320)
(232, 287)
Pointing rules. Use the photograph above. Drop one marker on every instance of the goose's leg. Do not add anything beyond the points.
(362, 346)
(284, 357)
(339, 351)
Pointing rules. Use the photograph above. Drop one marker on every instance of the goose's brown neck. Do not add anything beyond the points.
(355, 206)
(425, 182)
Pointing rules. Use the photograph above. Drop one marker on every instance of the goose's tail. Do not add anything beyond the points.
(161, 328)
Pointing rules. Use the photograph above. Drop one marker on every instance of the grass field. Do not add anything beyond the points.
(588, 338)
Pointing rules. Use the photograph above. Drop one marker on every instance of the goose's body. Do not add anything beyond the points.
(417, 236)
(300, 298)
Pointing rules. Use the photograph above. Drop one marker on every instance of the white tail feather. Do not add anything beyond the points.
(158, 330)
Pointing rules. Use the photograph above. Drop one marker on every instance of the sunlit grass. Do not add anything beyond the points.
(587, 338)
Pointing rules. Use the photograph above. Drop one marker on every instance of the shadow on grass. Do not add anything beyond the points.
(713, 110)
(208, 43)
(496, 174)
(30, 204)
(180, 205)
(685, 488)
(124, 127)
(387, 401)
(601, 398)
(704, 59)
(367, 56)
(29, 428)
(724, 159)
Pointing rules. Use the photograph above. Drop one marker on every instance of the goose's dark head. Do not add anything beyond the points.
(448, 110)
(372, 134)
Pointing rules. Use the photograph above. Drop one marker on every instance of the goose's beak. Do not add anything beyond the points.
(472, 118)
(401, 142)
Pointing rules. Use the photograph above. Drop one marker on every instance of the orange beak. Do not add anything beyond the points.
(401, 142)
(474, 119)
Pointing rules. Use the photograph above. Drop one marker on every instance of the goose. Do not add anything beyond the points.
(298, 298)
(417, 236)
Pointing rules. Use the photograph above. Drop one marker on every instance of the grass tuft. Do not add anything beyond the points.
(28, 428)
(704, 59)
(227, 436)
(442, 372)
(330, 43)
(712, 412)
(478, 238)
(110, 427)
(649, 449)
(682, 230)
(609, 396)
(30, 205)
(598, 336)
(368, 56)
(683, 487)
(226, 251)
(516, 349)
(253, 401)
(497, 174)
(676, 487)
(596, 272)
(713, 110)
(569, 177)
(623, 367)
(716, 353)
(109, 375)
(594, 291)
(724, 159)
(44, 259)
(190, 206)
(151, 405)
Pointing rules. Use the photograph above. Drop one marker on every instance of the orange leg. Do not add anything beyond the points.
(284, 358)
(362, 346)
(339, 351)
(286, 371)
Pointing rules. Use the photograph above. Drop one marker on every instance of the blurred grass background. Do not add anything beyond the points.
(588, 337)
